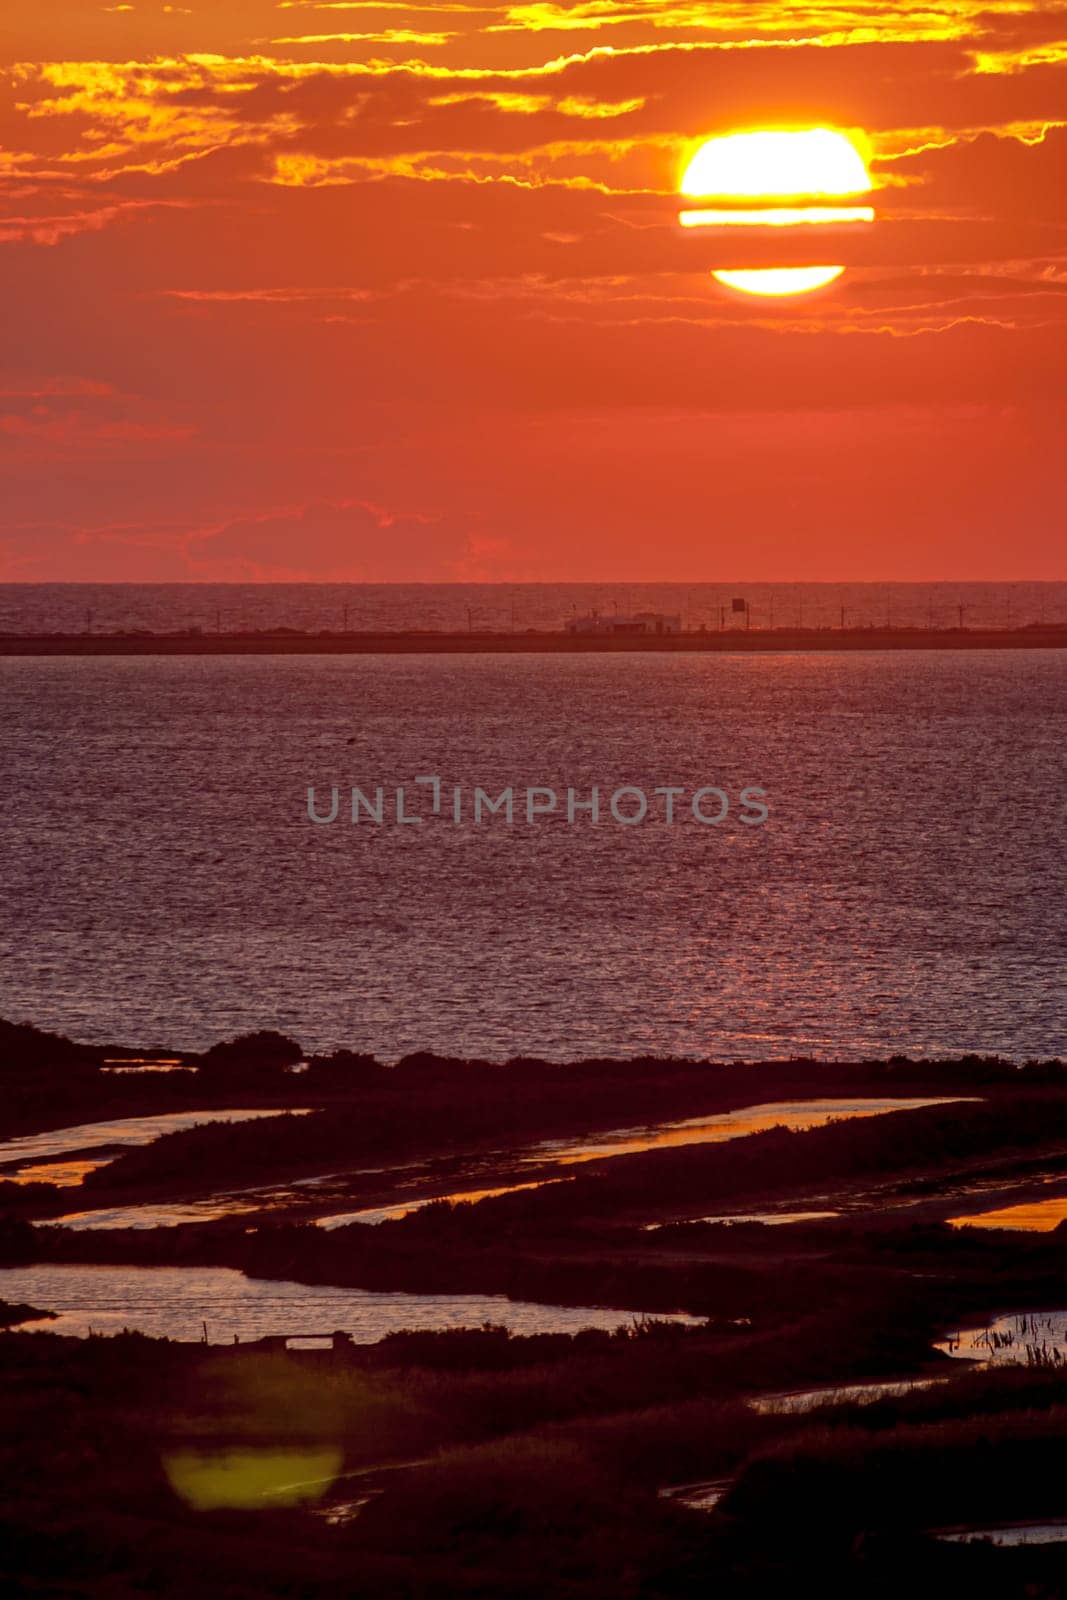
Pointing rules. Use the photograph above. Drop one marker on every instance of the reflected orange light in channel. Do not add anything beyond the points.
(1029, 1216)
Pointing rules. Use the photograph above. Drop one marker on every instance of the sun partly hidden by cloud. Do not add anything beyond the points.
(800, 164)
(277, 276)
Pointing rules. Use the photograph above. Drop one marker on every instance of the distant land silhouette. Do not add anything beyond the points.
(295, 641)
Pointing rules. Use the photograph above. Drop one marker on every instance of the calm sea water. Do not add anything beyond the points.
(162, 883)
(71, 607)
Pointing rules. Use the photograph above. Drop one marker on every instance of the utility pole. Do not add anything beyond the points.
(842, 619)
(960, 610)
(346, 620)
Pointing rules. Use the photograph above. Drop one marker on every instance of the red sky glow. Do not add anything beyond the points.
(323, 290)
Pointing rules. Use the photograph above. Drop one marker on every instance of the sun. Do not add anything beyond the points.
(781, 179)
(777, 280)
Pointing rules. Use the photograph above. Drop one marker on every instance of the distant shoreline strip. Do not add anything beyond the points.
(735, 641)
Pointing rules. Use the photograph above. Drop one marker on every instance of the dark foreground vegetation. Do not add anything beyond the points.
(425, 1108)
(475, 1463)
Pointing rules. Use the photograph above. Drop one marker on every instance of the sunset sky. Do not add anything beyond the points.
(348, 290)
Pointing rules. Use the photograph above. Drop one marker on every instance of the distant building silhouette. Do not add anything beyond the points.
(639, 622)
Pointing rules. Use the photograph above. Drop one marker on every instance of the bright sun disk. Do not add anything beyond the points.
(812, 161)
(778, 280)
(803, 165)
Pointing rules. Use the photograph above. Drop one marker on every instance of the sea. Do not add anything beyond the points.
(163, 883)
